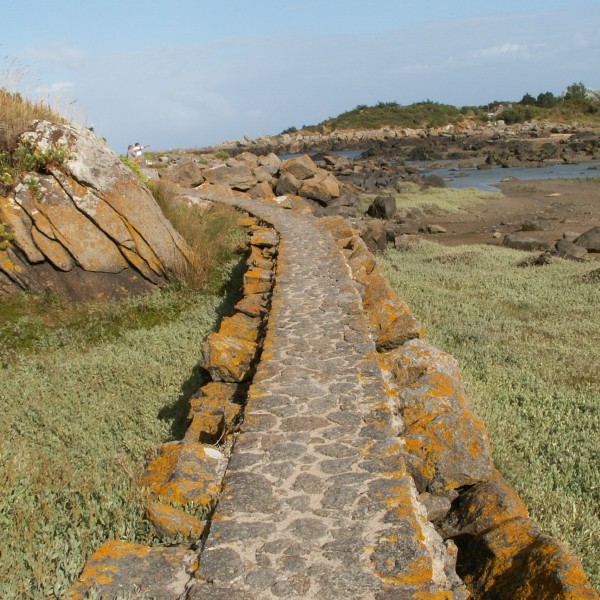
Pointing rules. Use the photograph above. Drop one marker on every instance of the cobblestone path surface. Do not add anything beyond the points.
(316, 503)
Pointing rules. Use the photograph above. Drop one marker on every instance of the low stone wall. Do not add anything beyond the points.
(502, 554)
(418, 457)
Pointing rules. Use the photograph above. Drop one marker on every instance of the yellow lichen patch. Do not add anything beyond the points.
(228, 358)
(8, 265)
(247, 221)
(240, 326)
(173, 522)
(119, 567)
(182, 473)
(258, 259)
(338, 227)
(264, 236)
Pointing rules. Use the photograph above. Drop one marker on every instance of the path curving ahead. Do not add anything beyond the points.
(316, 502)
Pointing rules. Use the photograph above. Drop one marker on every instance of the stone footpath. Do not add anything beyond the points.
(330, 440)
(316, 502)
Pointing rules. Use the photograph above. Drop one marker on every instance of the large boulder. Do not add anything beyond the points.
(590, 240)
(238, 176)
(323, 187)
(523, 241)
(301, 167)
(187, 173)
(85, 228)
(383, 207)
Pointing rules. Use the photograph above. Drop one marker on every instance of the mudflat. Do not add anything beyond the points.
(552, 206)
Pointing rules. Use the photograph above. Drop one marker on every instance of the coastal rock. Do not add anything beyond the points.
(590, 240)
(288, 184)
(566, 249)
(383, 207)
(446, 445)
(228, 354)
(187, 173)
(322, 187)
(118, 569)
(237, 176)
(523, 241)
(87, 228)
(301, 167)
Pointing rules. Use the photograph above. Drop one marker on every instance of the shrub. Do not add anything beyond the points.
(6, 235)
(222, 154)
(213, 235)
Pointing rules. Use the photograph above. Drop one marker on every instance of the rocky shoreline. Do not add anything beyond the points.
(528, 144)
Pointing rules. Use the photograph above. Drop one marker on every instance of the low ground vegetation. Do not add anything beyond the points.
(432, 199)
(85, 391)
(527, 342)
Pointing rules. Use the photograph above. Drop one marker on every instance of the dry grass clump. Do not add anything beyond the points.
(213, 235)
(527, 342)
(16, 115)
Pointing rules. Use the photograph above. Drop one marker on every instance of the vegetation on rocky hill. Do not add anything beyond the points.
(526, 338)
(576, 104)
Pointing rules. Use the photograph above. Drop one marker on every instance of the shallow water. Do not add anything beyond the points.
(485, 178)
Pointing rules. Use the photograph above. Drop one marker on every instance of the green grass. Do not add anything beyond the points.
(432, 200)
(82, 403)
(527, 341)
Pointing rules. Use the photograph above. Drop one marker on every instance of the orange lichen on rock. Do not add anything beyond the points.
(122, 568)
(258, 259)
(391, 321)
(447, 446)
(213, 412)
(264, 236)
(483, 507)
(247, 222)
(257, 281)
(339, 227)
(228, 353)
(503, 554)
(171, 521)
(182, 473)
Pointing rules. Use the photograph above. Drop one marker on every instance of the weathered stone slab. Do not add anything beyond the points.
(119, 569)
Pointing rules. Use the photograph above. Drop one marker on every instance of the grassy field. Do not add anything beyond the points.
(81, 406)
(527, 341)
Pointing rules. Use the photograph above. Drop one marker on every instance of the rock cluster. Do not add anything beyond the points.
(87, 227)
(516, 145)
(258, 177)
(578, 247)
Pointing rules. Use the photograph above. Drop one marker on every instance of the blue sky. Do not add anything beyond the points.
(187, 73)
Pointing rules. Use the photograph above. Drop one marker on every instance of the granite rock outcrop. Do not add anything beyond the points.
(86, 227)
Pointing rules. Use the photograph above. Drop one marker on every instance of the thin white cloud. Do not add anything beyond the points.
(506, 49)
